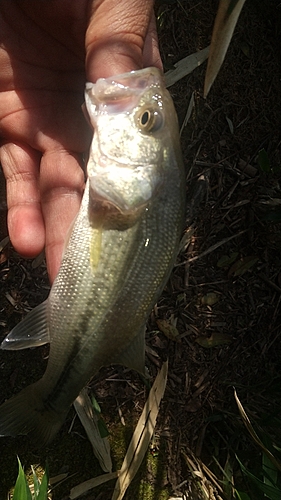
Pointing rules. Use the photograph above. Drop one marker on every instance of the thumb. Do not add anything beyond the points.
(121, 37)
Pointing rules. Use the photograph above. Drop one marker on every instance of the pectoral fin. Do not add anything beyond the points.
(32, 331)
(134, 355)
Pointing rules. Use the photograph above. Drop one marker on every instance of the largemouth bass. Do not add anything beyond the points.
(119, 255)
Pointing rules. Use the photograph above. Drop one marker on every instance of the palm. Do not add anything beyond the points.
(44, 85)
(41, 93)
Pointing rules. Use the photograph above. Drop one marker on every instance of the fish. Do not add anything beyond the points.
(118, 256)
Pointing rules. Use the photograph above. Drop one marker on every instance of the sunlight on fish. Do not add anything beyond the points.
(119, 255)
(95, 248)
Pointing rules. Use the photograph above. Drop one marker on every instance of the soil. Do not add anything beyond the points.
(223, 297)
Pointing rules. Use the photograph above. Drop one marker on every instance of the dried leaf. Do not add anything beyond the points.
(187, 238)
(216, 245)
(227, 260)
(225, 22)
(245, 47)
(142, 435)
(185, 66)
(38, 260)
(83, 488)
(91, 422)
(4, 243)
(188, 112)
(210, 299)
(57, 479)
(193, 405)
(253, 433)
(243, 265)
(170, 331)
(4, 255)
(263, 161)
(4, 250)
(247, 168)
(230, 124)
(216, 339)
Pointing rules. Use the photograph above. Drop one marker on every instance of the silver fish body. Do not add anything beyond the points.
(119, 255)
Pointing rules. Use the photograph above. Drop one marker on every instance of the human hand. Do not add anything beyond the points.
(48, 50)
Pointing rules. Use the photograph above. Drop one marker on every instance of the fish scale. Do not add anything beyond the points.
(119, 254)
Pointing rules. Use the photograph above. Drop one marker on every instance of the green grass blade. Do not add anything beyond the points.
(228, 475)
(270, 473)
(96, 406)
(35, 482)
(270, 491)
(240, 495)
(21, 491)
(43, 489)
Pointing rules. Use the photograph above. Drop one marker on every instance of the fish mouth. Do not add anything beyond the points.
(121, 92)
(125, 187)
(105, 214)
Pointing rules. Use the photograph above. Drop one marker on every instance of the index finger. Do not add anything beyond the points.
(61, 187)
(121, 37)
(20, 165)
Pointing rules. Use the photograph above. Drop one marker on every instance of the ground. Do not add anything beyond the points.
(223, 297)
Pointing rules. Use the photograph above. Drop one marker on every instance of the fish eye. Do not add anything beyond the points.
(149, 120)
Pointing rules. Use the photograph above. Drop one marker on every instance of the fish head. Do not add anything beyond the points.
(134, 124)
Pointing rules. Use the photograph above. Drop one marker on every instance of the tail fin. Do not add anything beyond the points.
(26, 413)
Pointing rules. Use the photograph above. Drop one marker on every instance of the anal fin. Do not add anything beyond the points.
(133, 356)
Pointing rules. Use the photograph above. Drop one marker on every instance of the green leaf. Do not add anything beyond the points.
(243, 265)
(35, 482)
(270, 491)
(263, 161)
(21, 491)
(228, 474)
(240, 495)
(216, 339)
(227, 260)
(43, 489)
(96, 406)
(103, 430)
(245, 47)
(270, 472)
(210, 299)
(169, 330)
